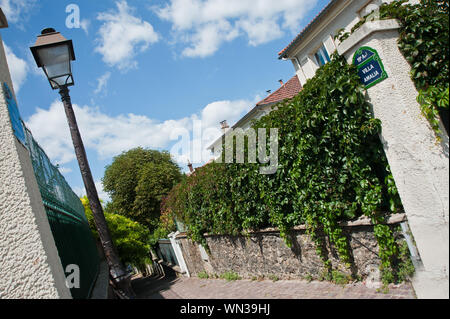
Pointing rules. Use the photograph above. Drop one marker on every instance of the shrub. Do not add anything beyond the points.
(230, 276)
(203, 275)
(130, 238)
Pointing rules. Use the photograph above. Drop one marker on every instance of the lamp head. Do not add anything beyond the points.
(54, 54)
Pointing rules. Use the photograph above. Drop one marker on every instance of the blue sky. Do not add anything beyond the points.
(147, 71)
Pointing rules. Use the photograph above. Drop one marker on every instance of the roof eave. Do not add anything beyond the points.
(288, 50)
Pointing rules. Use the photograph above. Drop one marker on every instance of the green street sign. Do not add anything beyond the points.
(370, 68)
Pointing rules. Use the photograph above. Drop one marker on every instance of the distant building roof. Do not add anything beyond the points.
(285, 52)
(286, 91)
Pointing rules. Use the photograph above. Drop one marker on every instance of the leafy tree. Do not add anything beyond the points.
(130, 238)
(165, 227)
(137, 180)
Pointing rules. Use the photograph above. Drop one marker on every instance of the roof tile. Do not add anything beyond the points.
(290, 89)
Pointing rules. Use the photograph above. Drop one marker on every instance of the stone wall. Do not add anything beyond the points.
(264, 253)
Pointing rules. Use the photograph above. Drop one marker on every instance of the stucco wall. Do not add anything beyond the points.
(264, 253)
(419, 163)
(29, 263)
(346, 14)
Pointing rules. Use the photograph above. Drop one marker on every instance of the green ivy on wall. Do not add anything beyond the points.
(425, 45)
(332, 168)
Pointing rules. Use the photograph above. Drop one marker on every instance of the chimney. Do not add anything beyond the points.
(191, 168)
(281, 82)
(224, 126)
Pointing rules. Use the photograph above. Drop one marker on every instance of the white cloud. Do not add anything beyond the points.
(14, 9)
(65, 170)
(111, 135)
(49, 128)
(216, 112)
(17, 67)
(261, 31)
(206, 24)
(207, 40)
(122, 36)
(102, 82)
(84, 24)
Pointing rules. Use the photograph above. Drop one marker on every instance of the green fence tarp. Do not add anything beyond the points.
(74, 240)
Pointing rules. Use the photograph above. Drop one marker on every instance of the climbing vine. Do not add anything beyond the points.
(332, 168)
(424, 43)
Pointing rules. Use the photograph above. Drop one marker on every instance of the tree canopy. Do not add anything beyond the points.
(137, 181)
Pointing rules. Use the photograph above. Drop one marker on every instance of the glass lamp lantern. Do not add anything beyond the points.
(54, 54)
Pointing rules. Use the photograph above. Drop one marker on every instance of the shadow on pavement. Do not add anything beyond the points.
(151, 287)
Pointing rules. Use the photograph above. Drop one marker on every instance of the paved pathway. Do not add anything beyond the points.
(195, 288)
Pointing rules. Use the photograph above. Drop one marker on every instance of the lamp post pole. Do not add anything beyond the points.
(117, 272)
(54, 54)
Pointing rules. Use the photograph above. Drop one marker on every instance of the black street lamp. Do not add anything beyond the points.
(54, 53)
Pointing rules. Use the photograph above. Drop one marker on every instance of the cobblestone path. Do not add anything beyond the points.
(195, 288)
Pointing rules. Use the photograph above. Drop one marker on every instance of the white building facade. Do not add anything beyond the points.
(315, 44)
(418, 161)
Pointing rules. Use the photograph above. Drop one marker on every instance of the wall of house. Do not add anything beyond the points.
(29, 263)
(264, 253)
(419, 163)
(347, 14)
